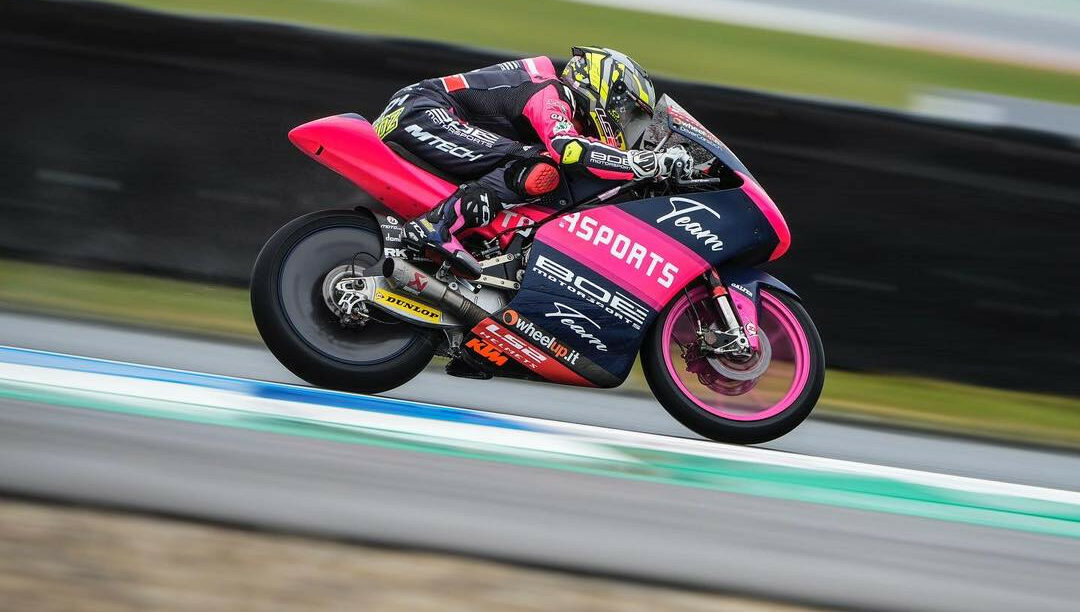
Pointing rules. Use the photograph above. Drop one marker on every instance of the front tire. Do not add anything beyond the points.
(299, 329)
(700, 397)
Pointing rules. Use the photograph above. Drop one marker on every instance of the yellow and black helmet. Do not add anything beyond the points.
(615, 92)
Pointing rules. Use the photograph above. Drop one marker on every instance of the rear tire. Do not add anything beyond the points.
(304, 335)
(786, 394)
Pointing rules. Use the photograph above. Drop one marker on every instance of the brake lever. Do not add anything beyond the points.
(614, 191)
(681, 182)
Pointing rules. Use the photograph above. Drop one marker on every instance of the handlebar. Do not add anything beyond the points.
(681, 182)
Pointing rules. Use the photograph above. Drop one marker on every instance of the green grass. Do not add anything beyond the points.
(669, 46)
(128, 298)
(224, 312)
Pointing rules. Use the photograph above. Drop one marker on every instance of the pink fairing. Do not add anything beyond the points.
(348, 145)
(515, 218)
(606, 238)
(788, 331)
(771, 212)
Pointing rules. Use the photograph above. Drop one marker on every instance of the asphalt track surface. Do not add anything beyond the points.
(590, 407)
(703, 538)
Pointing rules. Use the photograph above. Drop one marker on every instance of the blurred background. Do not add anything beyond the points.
(926, 154)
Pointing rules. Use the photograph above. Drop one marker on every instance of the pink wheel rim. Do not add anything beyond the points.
(775, 390)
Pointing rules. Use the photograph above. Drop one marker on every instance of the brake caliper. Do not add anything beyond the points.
(345, 294)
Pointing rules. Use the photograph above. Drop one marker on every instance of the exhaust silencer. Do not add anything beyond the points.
(406, 277)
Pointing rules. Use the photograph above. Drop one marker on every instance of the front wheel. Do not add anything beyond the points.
(729, 408)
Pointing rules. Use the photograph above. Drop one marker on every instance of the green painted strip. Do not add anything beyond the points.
(779, 482)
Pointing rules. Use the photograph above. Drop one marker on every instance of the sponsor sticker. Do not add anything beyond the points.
(418, 283)
(528, 330)
(507, 220)
(487, 351)
(621, 247)
(743, 290)
(610, 160)
(687, 214)
(462, 130)
(614, 303)
(558, 106)
(505, 341)
(386, 123)
(442, 144)
(412, 308)
(579, 323)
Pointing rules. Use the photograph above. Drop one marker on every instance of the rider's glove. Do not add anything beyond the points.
(650, 164)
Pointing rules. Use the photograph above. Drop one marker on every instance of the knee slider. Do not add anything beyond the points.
(533, 176)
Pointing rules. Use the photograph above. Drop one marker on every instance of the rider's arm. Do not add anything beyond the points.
(550, 115)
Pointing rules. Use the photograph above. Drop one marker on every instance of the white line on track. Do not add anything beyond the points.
(193, 395)
(571, 439)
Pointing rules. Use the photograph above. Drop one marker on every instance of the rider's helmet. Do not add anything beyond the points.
(613, 92)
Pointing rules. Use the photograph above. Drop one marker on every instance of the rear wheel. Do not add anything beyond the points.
(745, 403)
(304, 334)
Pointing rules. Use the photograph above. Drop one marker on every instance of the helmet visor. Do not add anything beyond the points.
(629, 116)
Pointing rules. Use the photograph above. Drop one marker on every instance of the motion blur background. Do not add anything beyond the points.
(925, 153)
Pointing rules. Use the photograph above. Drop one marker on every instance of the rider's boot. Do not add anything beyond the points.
(433, 235)
(474, 205)
(463, 369)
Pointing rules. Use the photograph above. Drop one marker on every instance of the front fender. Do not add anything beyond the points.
(751, 279)
(744, 288)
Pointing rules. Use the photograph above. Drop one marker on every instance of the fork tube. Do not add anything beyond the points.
(720, 294)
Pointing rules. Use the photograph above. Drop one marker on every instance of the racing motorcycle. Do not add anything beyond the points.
(573, 286)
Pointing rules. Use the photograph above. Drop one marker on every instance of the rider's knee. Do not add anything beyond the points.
(532, 177)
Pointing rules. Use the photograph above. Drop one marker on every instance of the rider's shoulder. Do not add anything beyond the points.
(540, 68)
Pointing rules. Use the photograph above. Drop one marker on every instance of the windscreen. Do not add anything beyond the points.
(674, 122)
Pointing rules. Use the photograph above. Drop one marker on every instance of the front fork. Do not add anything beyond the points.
(739, 315)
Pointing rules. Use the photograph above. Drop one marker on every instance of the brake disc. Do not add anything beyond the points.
(345, 295)
(751, 369)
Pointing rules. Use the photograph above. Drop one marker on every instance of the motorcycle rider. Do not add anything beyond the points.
(504, 130)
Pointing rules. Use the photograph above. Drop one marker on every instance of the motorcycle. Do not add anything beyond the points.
(573, 286)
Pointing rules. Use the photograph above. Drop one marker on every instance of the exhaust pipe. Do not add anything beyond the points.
(406, 277)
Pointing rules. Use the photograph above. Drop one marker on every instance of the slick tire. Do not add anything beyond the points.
(708, 419)
(299, 329)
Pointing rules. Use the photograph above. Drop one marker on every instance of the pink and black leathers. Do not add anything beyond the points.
(497, 129)
(473, 126)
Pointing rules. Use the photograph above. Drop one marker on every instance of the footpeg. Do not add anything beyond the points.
(461, 262)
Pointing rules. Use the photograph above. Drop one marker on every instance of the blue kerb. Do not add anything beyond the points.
(372, 403)
(256, 388)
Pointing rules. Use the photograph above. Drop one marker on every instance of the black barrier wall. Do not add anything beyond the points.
(157, 143)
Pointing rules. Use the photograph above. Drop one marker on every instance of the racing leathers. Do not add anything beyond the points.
(499, 130)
